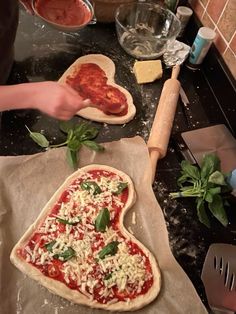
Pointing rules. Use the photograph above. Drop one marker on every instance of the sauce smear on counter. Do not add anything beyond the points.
(64, 12)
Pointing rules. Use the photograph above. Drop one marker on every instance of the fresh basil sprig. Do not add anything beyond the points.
(91, 185)
(121, 186)
(102, 220)
(208, 185)
(109, 249)
(77, 135)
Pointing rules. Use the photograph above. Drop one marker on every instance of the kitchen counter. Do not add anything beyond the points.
(42, 53)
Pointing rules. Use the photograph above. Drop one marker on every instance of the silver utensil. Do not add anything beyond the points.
(219, 278)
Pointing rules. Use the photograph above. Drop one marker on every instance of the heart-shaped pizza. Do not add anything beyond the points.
(79, 249)
(92, 76)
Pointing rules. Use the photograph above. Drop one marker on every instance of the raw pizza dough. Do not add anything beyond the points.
(61, 288)
(108, 66)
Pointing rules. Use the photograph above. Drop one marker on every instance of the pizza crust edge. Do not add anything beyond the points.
(108, 66)
(60, 288)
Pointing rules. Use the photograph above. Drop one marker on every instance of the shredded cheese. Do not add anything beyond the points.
(73, 227)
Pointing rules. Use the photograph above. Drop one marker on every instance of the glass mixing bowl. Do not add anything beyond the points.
(145, 29)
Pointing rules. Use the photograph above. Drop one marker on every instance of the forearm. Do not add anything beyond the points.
(16, 96)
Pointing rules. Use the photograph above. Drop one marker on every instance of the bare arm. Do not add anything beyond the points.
(55, 99)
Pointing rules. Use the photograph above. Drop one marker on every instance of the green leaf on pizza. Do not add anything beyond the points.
(50, 245)
(65, 255)
(67, 222)
(120, 188)
(109, 249)
(108, 276)
(91, 186)
(102, 221)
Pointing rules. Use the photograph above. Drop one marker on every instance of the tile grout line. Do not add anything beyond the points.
(232, 37)
(226, 3)
(202, 6)
(216, 27)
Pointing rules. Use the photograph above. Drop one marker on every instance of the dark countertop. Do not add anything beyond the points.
(43, 53)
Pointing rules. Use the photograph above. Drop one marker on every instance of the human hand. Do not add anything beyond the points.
(55, 99)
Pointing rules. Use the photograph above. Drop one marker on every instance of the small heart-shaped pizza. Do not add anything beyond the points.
(79, 248)
(92, 76)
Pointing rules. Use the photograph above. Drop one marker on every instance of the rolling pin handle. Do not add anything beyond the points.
(175, 71)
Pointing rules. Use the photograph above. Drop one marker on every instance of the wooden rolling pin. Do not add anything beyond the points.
(163, 121)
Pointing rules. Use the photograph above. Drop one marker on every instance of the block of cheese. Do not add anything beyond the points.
(147, 71)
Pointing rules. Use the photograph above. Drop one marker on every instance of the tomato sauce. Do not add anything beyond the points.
(64, 12)
(91, 83)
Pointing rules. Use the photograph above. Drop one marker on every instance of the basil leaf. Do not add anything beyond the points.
(108, 276)
(67, 222)
(80, 129)
(190, 170)
(71, 158)
(201, 212)
(91, 185)
(38, 138)
(218, 211)
(74, 144)
(50, 245)
(211, 192)
(209, 164)
(102, 220)
(182, 179)
(121, 186)
(93, 145)
(89, 134)
(66, 126)
(217, 177)
(70, 135)
(109, 249)
(66, 255)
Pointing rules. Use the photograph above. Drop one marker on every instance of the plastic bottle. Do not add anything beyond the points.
(201, 45)
(183, 14)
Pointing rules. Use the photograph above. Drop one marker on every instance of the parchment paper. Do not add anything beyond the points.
(27, 183)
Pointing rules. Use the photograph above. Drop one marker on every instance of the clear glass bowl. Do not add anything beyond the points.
(145, 29)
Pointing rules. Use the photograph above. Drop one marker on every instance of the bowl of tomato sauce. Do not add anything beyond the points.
(65, 15)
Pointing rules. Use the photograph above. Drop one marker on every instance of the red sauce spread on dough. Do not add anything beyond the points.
(52, 228)
(64, 12)
(91, 82)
